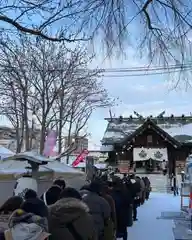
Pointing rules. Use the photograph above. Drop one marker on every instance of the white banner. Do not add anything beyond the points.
(144, 154)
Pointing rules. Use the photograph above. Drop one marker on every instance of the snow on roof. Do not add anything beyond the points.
(180, 130)
(13, 166)
(59, 167)
(30, 156)
(116, 131)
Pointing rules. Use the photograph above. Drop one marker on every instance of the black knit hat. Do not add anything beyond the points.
(52, 194)
(59, 182)
(35, 206)
(30, 194)
(96, 187)
(70, 193)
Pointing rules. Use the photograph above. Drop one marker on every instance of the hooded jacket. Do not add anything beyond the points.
(69, 219)
(24, 226)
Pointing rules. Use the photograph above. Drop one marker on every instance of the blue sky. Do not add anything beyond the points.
(148, 95)
(145, 94)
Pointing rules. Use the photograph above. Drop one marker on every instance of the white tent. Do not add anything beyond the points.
(30, 156)
(5, 152)
(59, 167)
(19, 167)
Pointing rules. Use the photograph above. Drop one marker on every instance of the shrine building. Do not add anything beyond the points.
(144, 144)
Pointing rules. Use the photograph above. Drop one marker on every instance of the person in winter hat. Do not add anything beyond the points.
(24, 226)
(30, 194)
(51, 195)
(69, 218)
(60, 182)
(135, 188)
(84, 190)
(121, 200)
(26, 223)
(98, 207)
(110, 231)
(70, 193)
(35, 206)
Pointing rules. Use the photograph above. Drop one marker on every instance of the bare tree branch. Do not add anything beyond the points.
(52, 83)
(160, 28)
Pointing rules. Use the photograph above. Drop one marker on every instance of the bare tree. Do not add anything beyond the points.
(14, 88)
(51, 82)
(74, 104)
(11, 108)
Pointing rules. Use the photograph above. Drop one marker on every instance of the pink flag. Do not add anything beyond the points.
(80, 157)
(50, 143)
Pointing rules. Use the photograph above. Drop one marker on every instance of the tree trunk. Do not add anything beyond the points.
(60, 127)
(42, 139)
(69, 138)
(25, 116)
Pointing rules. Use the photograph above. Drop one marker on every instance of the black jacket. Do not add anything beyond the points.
(133, 188)
(122, 208)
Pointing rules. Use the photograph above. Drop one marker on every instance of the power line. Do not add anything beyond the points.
(145, 74)
(143, 68)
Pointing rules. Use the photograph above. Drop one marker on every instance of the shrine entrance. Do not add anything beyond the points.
(150, 160)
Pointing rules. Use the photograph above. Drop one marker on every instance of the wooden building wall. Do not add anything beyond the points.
(174, 154)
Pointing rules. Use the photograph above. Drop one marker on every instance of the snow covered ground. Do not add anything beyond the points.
(148, 227)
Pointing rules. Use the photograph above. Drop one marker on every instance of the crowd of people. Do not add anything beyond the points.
(100, 210)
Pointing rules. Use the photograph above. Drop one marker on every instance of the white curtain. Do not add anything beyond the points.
(144, 154)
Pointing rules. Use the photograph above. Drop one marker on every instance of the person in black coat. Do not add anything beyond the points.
(130, 202)
(31, 197)
(121, 201)
(51, 196)
(135, 189)
(148, 187)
